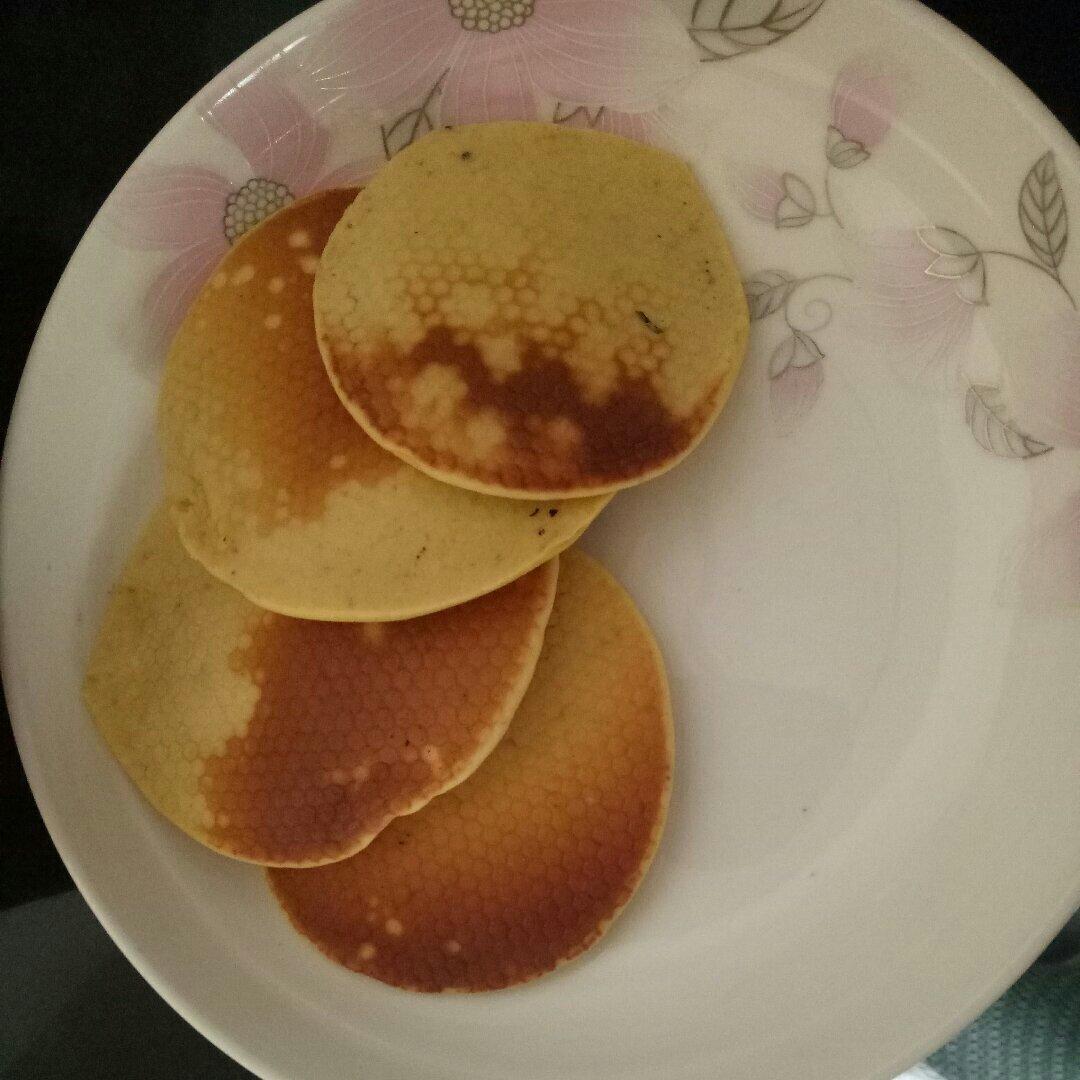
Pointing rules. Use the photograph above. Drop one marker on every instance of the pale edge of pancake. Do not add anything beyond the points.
(223, 571)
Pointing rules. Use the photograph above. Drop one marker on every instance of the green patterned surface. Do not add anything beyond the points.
(1032, 1033)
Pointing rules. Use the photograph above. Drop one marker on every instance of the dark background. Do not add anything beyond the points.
(85, 85)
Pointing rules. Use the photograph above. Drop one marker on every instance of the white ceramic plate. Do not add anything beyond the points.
(866, 582)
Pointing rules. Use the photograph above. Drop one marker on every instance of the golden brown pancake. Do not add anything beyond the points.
(277, 491)
(289, 742)
(532, 310)
(524, 865)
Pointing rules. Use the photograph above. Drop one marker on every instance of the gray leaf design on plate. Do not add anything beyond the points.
(798, 206)
(799, 350)
(988, 419)
(796, 375)
(957, 259)
(409, 126)
(567, 114)
(844, 153)
(768, 293)
(1043, 215)
(727, 28)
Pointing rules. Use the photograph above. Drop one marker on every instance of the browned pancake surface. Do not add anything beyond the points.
(524, 865)
(529, 310)
(290, 742)
(274, 487)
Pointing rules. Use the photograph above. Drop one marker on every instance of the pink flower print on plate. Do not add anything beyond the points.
(499, 59)
(864, 106)
(760, 191)
(916, 292)
(781, 199)
(179, 209)
(1044, 383)
(195, 213)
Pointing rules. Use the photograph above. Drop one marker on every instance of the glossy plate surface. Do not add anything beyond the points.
(866, 581)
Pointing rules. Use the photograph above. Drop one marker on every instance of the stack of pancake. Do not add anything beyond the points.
(356, 645)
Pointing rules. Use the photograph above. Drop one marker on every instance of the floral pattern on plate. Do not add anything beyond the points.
(419, 64)
(410, 66)
(195, 213)
(727, 28)
(918, 290)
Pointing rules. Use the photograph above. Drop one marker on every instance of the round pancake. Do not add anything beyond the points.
(524, 865)
(288, 742)
(277, 491)
(532, 310)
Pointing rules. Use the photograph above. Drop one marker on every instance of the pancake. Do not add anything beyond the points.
(276, 490)
(532, 310)
(524, 865)
(288, 742)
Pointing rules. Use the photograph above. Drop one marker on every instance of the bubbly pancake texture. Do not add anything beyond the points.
(277, 491)
(524, 865)
(532, 310)
(288, 742)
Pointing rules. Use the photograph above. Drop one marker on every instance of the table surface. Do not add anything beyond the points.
(73, 120)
